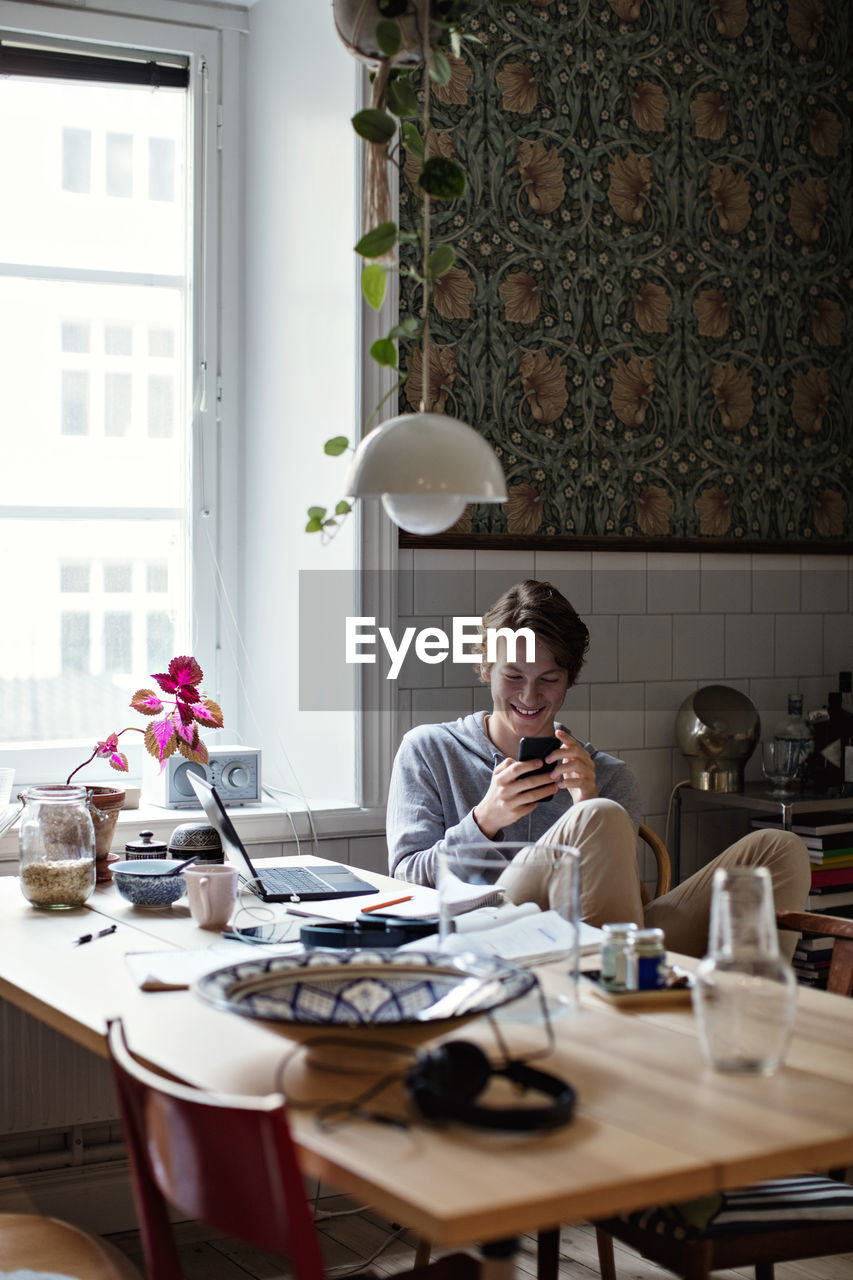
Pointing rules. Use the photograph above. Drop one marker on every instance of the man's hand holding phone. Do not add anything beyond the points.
(571, 767)
(544, 767)
(516, 788)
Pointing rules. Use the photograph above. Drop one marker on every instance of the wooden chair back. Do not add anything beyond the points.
(32, 1245)
(662, 862)
(840, 979)
(227, 1161)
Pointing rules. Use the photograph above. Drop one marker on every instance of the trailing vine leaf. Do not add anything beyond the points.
(314, 525)
(377, 241)
(384, 352)
(439, 68)
(316, 513)
(440, 261)
(374, 125)
(412, 139)
(388, 37)
(343, 508)
(333, 448)
(406, 329)
(442, 178)
(373, 284)
(402, 99)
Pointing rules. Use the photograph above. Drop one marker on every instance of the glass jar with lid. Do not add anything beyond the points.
(56, 868)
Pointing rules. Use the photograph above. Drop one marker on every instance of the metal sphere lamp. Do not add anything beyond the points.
(717, 728)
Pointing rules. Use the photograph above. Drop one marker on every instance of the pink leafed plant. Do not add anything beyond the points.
(175, 719)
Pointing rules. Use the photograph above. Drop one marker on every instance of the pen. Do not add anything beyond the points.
(380, 906)
(89, 937)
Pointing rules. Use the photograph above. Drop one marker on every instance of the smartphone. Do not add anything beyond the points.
(538, 749)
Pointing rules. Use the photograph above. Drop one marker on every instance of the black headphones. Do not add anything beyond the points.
(445, 1083)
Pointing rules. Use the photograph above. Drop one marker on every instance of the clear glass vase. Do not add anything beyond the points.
(744, 994)
(56, 867)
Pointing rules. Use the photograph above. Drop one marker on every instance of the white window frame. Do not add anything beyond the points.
(210, 37)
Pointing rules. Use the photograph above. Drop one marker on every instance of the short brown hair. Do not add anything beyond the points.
(548, 614)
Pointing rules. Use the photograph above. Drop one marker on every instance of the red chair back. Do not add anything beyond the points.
(227, 1161)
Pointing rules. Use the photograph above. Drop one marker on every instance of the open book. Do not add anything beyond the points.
(520, 933)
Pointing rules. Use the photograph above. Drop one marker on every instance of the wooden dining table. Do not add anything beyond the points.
(653, 1123)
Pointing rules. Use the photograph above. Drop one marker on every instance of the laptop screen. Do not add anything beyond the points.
(215, 810)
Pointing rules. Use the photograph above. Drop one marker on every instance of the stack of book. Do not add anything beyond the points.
(828, 836)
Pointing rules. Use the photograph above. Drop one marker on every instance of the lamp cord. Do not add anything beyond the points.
(423, 18)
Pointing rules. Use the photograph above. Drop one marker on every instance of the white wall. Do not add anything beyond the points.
(299, 366)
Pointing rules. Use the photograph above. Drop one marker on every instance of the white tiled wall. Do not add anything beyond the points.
(661, 625)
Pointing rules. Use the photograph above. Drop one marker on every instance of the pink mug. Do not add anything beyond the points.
(212, 893)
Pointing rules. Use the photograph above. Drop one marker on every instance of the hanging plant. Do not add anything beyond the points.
(407, 41)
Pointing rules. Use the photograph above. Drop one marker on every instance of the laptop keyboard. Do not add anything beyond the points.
(292, 880)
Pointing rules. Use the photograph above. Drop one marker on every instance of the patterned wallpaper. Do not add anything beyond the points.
(650, 315)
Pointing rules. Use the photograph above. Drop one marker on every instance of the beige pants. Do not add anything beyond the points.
(604, 836)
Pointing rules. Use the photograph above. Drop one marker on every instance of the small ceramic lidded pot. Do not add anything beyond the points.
(199, 838)
(145, 847)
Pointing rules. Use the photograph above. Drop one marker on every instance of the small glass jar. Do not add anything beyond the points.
(618, 957)
(56, 868)
(651, 959)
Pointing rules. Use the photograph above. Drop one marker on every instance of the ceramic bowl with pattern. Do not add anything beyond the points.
(148, 883)
(364, 989)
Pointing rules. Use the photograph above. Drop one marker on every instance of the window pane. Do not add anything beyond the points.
(117, 404)
(119, 164)
(118, 339)
(46, 225)
(118, 577)
(157, 576)
(76, 160)
(160, 640)
(117, 642)
(161, 342)
(50, 639)
(87, 353)
(75, 402)
(160, 405)
(75, 335)
(74, 577)
(31, 396)
(75, 642)
(161, 169)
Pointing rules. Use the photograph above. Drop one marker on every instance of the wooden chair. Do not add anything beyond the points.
(30, 1243)
(229, 1162)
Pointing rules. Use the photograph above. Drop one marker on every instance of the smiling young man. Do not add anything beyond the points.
(461, 783)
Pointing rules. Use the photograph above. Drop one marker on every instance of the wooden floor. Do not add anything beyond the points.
(350, 1241)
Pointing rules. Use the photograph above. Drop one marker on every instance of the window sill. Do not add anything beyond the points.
(265, 823)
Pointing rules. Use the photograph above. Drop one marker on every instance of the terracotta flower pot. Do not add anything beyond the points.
(104, 806)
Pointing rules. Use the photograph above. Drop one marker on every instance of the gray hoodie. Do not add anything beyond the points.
(443, 770)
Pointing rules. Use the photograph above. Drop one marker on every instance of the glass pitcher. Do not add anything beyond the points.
(56, 868)
(744, 993)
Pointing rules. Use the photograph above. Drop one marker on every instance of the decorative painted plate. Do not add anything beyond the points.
(364, 988)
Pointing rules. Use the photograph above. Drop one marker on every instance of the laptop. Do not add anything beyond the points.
(275, 884)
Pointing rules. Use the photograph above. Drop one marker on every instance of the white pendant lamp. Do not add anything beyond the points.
(425, 467)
